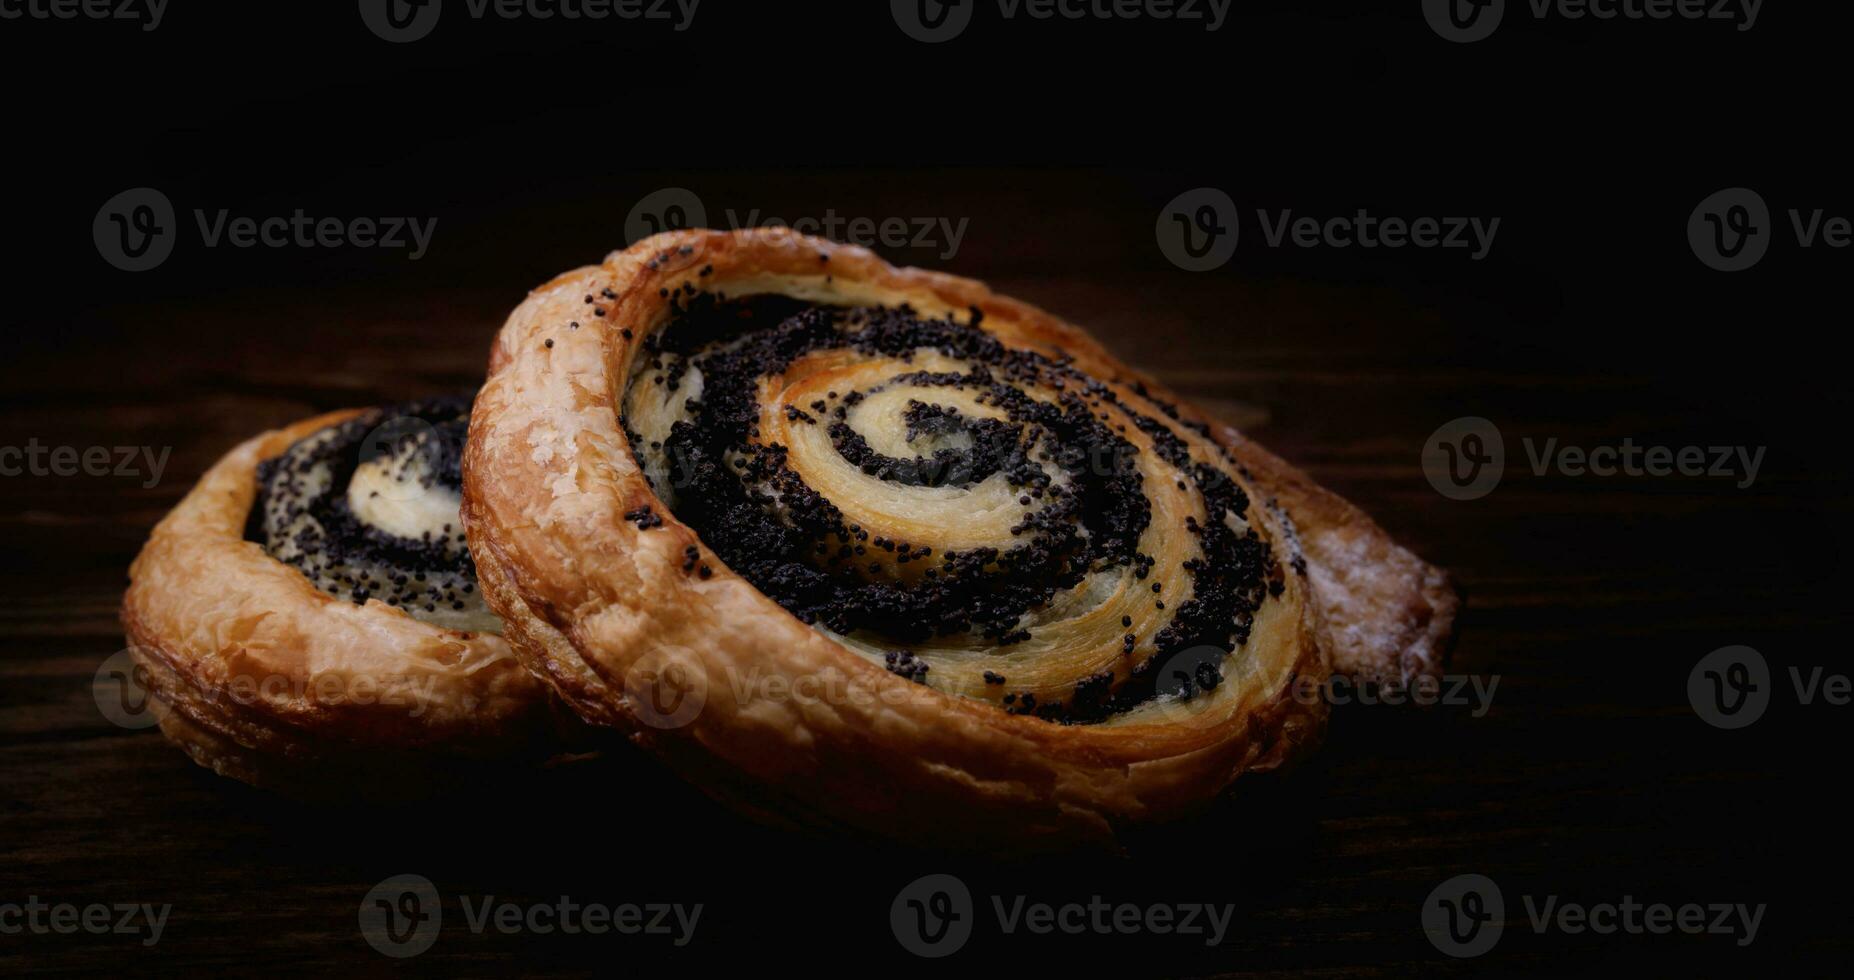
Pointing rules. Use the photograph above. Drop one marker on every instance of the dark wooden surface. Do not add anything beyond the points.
(1590, 599)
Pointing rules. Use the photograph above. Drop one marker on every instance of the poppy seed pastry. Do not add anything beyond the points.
(863, 547)
(308, 617)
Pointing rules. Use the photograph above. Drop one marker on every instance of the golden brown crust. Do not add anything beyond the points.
(604, 611)
(267, 679)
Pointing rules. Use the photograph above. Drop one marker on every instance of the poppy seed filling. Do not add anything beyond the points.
(368, 509)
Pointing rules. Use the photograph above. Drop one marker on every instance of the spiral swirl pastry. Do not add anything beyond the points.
(368, 509)
(308, 617)
(927, 560)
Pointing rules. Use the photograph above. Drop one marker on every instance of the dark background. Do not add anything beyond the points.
(1590, 598)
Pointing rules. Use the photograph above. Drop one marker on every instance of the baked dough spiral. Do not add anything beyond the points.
(308, 618)
(931, 562)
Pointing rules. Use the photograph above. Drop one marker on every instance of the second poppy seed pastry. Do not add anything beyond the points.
(308, 617)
